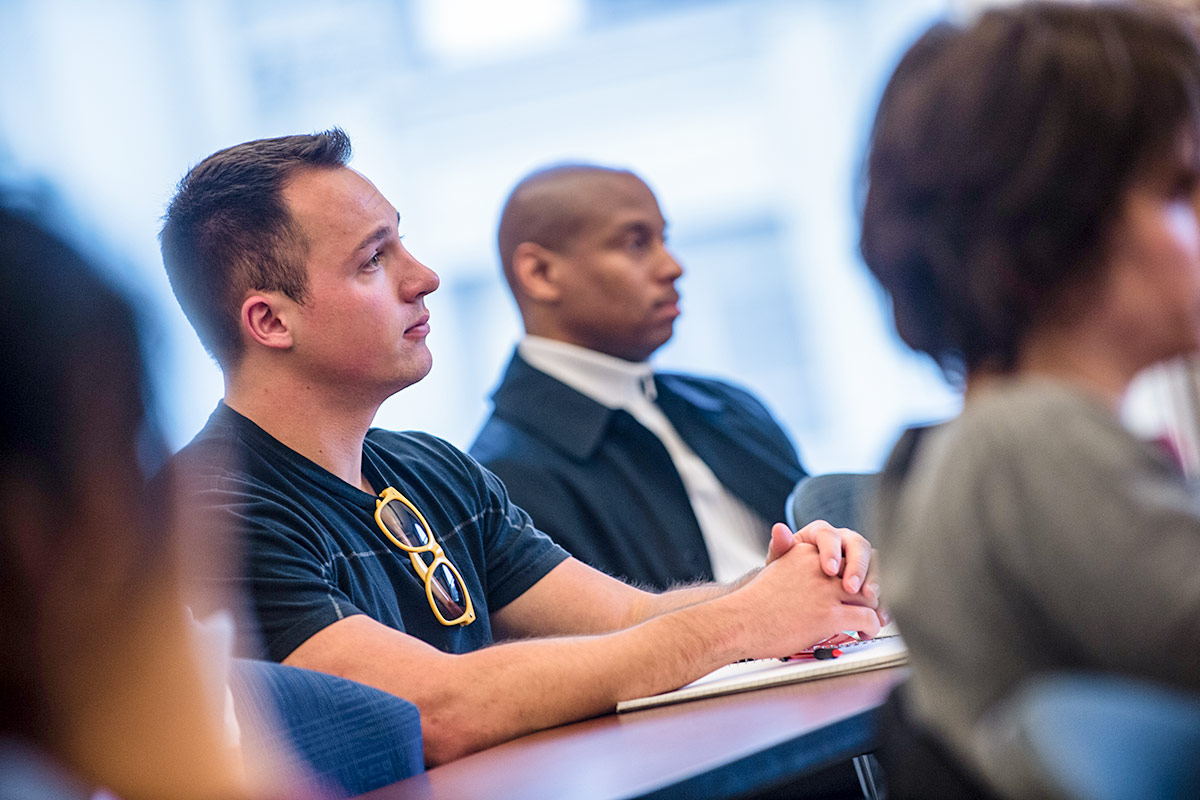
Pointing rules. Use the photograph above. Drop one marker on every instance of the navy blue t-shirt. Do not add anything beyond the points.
(313, 553)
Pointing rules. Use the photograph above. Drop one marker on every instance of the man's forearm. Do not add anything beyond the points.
(478, 699)
(687, 633)
(554, 681)
(475, 700)
(654, 605)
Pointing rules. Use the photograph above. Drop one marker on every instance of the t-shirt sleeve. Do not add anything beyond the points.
(518, 554)
(286, 575)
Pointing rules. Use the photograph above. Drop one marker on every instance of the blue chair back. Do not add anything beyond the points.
(839, 498)
(354, 737)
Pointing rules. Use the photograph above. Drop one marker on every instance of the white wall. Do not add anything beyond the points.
(748, 118)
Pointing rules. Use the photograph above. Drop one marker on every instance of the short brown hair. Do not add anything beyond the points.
(228, 231)
(999, 160)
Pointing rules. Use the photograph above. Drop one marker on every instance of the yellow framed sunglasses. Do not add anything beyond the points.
(406, 527)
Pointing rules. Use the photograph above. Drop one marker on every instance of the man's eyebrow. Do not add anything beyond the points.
(642, 225)
(376, 235)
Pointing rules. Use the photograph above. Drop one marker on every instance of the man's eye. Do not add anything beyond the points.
(374, 261)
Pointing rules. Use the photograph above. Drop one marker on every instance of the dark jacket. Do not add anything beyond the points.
(604, 487)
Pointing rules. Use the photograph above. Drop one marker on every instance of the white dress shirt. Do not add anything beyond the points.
(735, 535)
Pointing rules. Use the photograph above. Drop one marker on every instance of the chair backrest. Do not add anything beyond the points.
(1102, 737)
(839, 498)
(355, 738)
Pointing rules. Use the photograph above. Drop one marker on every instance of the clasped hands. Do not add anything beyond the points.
(841, 552)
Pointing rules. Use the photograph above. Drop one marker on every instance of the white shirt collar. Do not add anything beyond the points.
(610, 381)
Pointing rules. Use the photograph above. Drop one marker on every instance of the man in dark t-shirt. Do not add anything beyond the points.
(394, 559)
(316, 555)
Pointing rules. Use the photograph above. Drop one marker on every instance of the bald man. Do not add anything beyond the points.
(655, 478)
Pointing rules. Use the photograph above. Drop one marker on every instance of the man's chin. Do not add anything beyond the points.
(658, 341)
(420, 368)
(410, 373)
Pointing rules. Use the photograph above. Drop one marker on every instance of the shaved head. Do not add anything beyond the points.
(552, 206)
(584, 252)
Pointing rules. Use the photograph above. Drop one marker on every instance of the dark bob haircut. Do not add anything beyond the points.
(999, 160)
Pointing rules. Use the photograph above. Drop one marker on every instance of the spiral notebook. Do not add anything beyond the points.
(742, 677)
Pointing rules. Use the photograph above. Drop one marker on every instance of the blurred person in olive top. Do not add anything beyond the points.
(393, 558)
(1033, 210)
(656, 478)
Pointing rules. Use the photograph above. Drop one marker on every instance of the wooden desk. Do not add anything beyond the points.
(711, 748)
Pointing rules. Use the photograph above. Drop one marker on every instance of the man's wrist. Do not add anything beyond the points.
(715, 629)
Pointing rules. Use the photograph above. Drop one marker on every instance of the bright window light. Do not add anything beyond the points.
(470, 29)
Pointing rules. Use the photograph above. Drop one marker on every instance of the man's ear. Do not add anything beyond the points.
(265, 319)
(537, 272)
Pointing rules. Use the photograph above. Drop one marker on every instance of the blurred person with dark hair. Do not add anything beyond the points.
(1033, 191)
(393, 558)
(102, 683)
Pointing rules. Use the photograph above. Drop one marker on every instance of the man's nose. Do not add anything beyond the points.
(420, 282)
(672, 269)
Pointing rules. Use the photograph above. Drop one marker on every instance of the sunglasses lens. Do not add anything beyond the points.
(403, 524)
(441, 580)
(448, 592)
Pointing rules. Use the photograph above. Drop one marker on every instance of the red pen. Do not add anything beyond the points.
(815, 654)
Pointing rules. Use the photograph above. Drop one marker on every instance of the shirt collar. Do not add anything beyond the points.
(612, 382)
